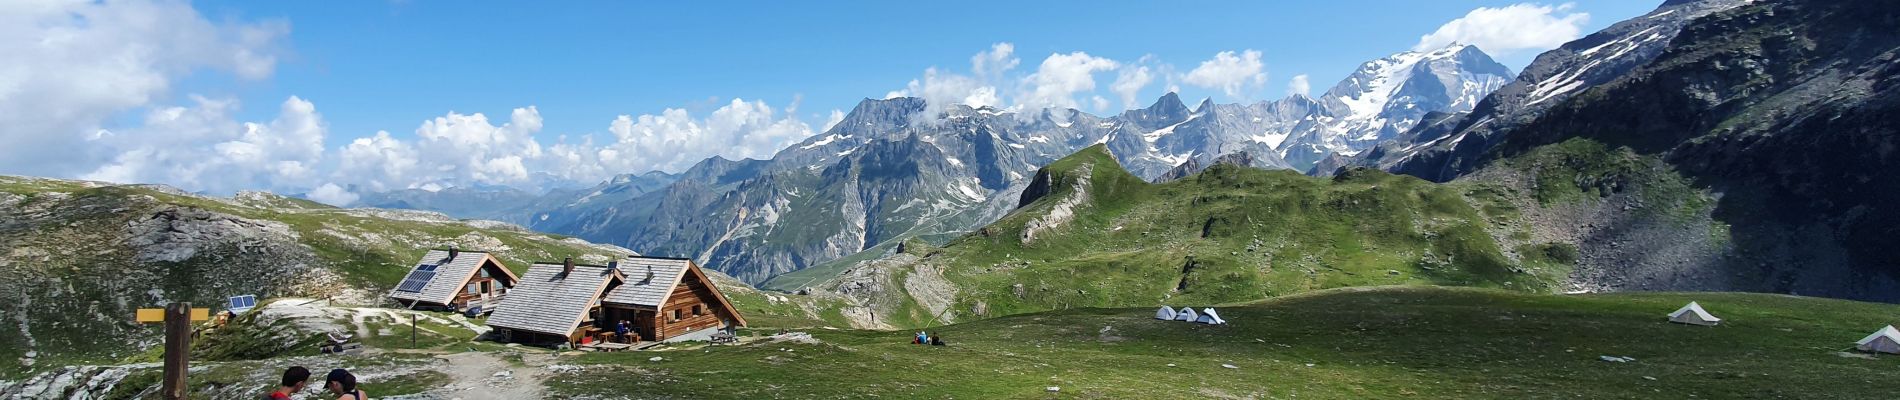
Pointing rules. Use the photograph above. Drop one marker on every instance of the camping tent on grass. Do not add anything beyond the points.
(1887, 340)
(1186, 314)
(1165, 313)
(1208, 316)
(1693, 314)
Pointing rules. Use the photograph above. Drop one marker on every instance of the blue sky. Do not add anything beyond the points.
(387, 66)
(341, 98)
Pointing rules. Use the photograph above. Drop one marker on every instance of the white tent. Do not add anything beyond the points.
(1887, 340)
(1693, 314)
(1165, 313)
(1208, 316)
(1186, 314)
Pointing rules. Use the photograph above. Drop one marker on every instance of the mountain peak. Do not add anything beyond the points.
(884, 108)
(1170, 101)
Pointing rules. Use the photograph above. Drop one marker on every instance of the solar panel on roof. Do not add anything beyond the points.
(417, 279)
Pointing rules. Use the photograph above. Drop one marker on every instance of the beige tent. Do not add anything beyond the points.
(1165, 314)
(1887, 340)
(1693, 314)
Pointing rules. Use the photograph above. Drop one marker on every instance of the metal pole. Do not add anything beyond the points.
(412, 330)
(177, 349)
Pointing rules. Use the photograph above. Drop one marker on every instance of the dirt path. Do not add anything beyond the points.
(482, 375)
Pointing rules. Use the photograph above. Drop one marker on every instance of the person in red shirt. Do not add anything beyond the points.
(294, 380)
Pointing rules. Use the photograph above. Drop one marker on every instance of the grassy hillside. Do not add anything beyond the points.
(1390, 342)
(1099, 237)
(81, 256)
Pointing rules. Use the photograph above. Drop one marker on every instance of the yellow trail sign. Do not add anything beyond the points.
(150, 315)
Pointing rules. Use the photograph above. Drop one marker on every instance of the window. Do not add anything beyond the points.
(696, 311)
(474, 289)
(488, 286)
(676, 314)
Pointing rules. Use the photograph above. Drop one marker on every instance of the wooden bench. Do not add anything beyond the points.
(606, 347)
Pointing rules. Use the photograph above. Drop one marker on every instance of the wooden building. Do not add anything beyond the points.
(553, 302)
(454, 280)
(661, 299)
(668, 299)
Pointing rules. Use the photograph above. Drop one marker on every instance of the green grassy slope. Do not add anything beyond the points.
(1230, 234)
(1391, 342)
(75, 274)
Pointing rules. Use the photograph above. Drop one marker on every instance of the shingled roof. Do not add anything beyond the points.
(449, 275)
(549, 301)
(644, 290)
(651, 291)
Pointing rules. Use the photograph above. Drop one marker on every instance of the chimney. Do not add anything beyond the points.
(567, 265)
(649, 274)
(453, 252)
(613, 265)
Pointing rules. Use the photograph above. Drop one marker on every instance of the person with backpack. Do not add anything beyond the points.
(342, 384)
(294, 380)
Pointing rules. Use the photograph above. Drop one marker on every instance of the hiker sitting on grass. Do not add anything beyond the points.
(921, 338)
(342, 384)
(936, 340)
(294, 380)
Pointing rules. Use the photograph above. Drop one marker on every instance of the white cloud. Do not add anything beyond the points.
(332, 194)
(1059, 78)
(990, 65)
(201, 148)
(469, 148)
(1129, 82)
(379, 163)
(1510, 29)
(1234, 74)
(71, 65)
(940, 89)
(674, 140)
(1299, 85)
(836, 117)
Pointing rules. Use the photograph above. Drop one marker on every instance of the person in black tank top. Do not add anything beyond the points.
(342, 384)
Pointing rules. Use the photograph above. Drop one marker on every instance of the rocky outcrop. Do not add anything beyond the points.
(1063, 210)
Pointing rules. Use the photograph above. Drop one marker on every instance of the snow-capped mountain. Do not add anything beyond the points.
(1437, 152)
(892, 169)
(1387, 96)
(1380, 100)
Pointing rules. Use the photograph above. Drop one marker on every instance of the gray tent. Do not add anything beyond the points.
(1165, 313)
(1886, 340)
(1187, 314)
(1208, 316)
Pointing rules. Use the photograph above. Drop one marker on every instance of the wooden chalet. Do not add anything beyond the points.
(668, 299)
(662, 299)
(454, 280)
(553, 302)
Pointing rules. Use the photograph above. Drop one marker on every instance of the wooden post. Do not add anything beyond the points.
(177, 349)
(412, 330)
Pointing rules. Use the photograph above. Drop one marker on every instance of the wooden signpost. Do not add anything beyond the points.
(177, 318)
